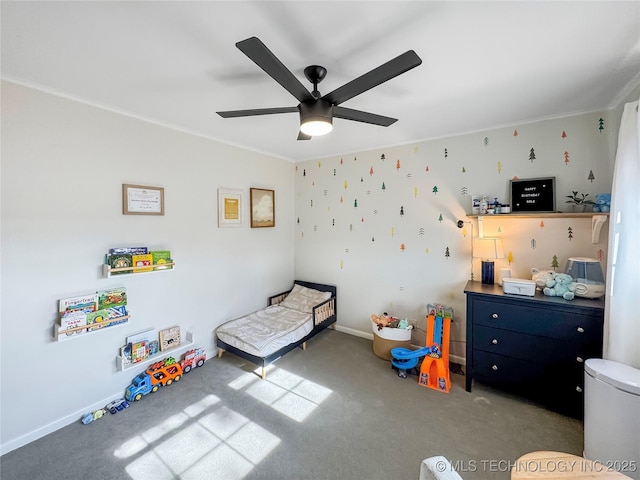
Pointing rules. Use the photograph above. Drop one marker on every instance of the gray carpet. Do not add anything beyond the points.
(334, 411)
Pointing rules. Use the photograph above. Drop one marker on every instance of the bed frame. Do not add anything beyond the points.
(324, 315)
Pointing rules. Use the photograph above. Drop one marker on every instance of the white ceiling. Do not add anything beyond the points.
(485, 64)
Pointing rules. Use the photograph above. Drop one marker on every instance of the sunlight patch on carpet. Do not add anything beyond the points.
(205, 440)
(285, 392)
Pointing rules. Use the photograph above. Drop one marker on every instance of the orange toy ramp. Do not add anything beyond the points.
(434, 371)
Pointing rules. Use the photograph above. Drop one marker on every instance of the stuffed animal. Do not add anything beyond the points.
(603, 202)
(404, 323)
(383, 320)
(561, 285)
(541, 277)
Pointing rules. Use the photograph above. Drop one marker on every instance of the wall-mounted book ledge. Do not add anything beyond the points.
(123, 363)
(76, 332)
(108, 271)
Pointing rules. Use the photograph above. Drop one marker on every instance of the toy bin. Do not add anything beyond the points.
(387, 338)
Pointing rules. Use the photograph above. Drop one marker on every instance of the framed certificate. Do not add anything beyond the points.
(141, 200)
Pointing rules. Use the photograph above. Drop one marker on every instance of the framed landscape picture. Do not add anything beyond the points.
(229, 208)
(263, 208)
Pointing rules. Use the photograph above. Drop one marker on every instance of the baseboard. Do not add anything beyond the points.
(359, 333)
(76, 416)
(352, 331)
(53, 426)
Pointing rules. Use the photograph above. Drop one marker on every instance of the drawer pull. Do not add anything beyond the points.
(579, 389)
(494, 341)
(579, 359)
(494, 315)
(580, 330)
(494, 367)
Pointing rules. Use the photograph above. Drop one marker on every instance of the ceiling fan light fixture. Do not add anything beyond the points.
(316, 118)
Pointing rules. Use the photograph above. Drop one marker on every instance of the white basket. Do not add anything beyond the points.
(398, 334)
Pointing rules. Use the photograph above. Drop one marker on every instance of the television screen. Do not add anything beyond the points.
(533, 195)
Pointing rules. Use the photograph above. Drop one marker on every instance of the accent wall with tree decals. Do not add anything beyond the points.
(381, 224)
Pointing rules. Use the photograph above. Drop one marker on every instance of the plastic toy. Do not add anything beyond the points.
(434, 369)
(87, 418)
(193, 358)
(560, 285)
(153, 378)
(117, 406)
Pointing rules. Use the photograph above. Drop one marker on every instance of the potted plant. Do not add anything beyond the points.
(578, 201)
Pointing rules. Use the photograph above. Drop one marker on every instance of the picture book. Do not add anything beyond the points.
(72, 320)
(169, 337)
(97, 319)
(119, 260)
(125, 354)
(160, 258)
(139, 351)
(73, 313)
(148, 335)
(112, 297)
(83, 303)
(129, 250)
(142, 260)
(117, 312)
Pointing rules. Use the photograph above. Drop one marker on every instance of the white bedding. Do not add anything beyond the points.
(263, 332)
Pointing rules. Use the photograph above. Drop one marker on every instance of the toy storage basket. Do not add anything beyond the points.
(387, 338)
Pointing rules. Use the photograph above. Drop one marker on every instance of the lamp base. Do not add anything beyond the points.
(487, 272)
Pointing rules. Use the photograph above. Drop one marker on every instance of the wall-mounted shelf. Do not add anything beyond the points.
(107, 271)
(541, 215)
(597, 220)
(184, 346)
(91, 328)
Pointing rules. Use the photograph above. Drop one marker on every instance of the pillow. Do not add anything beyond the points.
(304, 299)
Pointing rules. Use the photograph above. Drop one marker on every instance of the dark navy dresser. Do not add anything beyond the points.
(532, 346)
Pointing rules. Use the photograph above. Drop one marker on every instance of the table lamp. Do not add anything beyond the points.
(488, 249)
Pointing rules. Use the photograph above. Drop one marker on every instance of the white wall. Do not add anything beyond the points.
(63, 166)
(359, 248)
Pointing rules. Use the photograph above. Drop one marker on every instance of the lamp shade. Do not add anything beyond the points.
(488, 248)
(316, 118)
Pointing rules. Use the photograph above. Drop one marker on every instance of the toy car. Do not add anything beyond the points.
(87, 418)
(117, 405)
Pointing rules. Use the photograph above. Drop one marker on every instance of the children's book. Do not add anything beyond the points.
(112, 297)
(98, 319)
(146, 335)
(129, 250)
(73, 313)
(160, 258)
(142, 260)
(169, 338)
(139, 351)
(119, 260)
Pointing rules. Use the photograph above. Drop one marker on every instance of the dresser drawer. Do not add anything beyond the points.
(524, 375)
(560, 324)
(534, 348)
(499, 369)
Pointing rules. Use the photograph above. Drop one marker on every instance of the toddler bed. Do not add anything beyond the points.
(289, 320)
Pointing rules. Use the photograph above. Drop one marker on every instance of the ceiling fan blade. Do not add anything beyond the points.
(375, 77)
(303, 136)
(256, 111)
(360, 116)
(267, 61)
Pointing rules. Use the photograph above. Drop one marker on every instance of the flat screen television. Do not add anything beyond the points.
(533, 195)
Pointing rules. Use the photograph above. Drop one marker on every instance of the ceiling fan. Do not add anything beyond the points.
(317, 112)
